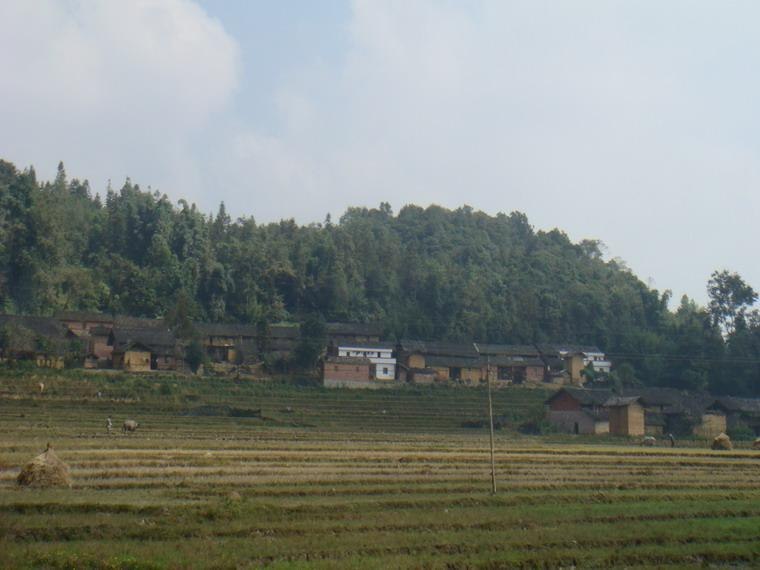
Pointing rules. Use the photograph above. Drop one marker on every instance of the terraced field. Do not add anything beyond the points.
(335, 479)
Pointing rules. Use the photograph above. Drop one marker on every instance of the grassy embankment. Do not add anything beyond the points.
(349, 479)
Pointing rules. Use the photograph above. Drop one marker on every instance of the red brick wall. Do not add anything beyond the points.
(563, 402)
(335, 371)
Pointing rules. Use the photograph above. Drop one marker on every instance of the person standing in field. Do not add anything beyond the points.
(672, 440)
(109, 424)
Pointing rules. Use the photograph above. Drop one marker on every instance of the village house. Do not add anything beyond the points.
(576, 358)
(512, 363)
(347, 372)
(281, 340)
(626, 415)
(650, 411)
(142, 350)
(41, 340)
(739, 412)
(229, 343)
(447, 362)
(380, 355)
(579, 411)
(93, 329)
(668, 410)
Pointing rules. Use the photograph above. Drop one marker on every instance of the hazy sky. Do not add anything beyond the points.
(631, 122)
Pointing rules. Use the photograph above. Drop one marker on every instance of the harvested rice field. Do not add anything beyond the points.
(341, 479)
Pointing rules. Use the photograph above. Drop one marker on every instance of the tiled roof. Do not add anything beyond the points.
(227, 329)
(357, 329)
(437, 348)
(506, 349)
(446, 361)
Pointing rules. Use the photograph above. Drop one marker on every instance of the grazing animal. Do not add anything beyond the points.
(129, 425)
(649, 441)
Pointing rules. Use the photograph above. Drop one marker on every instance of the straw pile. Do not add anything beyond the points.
(45, 470)
(722, 441)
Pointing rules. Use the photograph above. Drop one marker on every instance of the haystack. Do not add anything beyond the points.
(756, 443)
(45, 470)
(722, 441)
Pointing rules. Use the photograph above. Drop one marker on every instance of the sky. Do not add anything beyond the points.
(635, 123)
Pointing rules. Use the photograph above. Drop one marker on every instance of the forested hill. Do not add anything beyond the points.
(426, 273)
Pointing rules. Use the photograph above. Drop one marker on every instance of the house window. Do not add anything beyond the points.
(455, 373)
(385, 371)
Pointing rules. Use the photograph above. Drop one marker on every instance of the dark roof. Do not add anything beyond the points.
(511, 361)
(379, 344)
(745, 405)
(90, 316)
(355, 329)
(507, 349)
(584, 396)
(551, 349)
(672, 400)
(348, 360)
(620, 401)
(436, 348)
(126, 322)
(157, 341)
(446, 361)
(598, 415)
(227, 329)
(100, 330)
(284, 330)
(40, 328)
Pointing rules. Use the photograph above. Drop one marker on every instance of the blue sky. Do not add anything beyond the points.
(635, 123)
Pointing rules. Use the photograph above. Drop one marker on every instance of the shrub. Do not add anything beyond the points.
(741, 432)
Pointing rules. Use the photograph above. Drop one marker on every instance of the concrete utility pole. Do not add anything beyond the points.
(490, 421)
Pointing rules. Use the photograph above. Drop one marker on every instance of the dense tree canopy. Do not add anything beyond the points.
(429, 273)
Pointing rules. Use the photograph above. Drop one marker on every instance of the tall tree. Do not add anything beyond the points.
(730, 299)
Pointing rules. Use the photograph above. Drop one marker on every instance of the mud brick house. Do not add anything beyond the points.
(579, 411)
(668, 410)
(653, 411)
(42, 340)
(93, 329)
(512, 363)
(230, 343)
(142, 350)
(347, 372)
(447, 361)
(739, 412)
(626, 415)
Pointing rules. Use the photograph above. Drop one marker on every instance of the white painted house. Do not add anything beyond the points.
(590, 355)
(379, 354)
(597, 359)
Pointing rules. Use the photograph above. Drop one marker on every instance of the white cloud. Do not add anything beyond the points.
(111, 88)
(589, 117)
